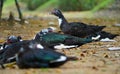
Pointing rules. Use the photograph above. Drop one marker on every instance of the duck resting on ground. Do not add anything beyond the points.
(40, 58)
(31, 54)
(11, 39)
(75, 28)
(52, 39)
(9, 54)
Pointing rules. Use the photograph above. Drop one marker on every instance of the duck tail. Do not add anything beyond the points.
(107, 35)
(100, 28)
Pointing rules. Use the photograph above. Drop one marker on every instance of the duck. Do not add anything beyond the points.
(78, 29)
(37, 58)
(31, 54)
(9, 54)
(47, 37)
(11, 39)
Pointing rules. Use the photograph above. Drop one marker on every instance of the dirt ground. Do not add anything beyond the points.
(94, 58)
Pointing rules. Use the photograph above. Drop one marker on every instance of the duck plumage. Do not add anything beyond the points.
(35, 58)
(50, 39)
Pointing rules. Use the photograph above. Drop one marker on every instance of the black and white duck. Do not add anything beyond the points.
(11, 39)
(55, 40)
(37, 58)
(9, 54)
(31, 54)
(78, 29)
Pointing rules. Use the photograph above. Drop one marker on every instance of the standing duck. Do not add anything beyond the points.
(75, 28)
(51, 39)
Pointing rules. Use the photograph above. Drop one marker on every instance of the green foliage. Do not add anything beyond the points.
(88, 4)
(8, 3)
(67, 5)
(78, 4)
(25, 1)
(103, 4)
(33, 4)
(48, 5)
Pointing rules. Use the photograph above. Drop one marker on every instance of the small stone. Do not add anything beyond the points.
(82, 55)
(117, 55)
(85, 51)
(117, 25)
(51, 23)
(106, 56)
(94, 68)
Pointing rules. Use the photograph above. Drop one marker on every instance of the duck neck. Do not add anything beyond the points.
(62, 20)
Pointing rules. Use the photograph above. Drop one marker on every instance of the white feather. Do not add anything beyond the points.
(107, 40)
(21, 40)
(96, 38)
(40, 46)
(62, 58)
(53, 28)
(62, 46)
(60, 21)
(1, 47)
(11, 58)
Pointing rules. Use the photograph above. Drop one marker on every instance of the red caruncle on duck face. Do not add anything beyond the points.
(56, 12)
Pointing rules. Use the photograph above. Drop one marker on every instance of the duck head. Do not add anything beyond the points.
(57, 13)
(51, 29)
(44, 31)
(47, 30)
(13, 39)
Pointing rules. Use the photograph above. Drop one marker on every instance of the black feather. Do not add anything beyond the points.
(103, 35)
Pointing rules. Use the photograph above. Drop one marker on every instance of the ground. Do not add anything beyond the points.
(94, 58)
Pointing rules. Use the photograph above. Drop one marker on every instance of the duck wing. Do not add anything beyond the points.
(82, 30)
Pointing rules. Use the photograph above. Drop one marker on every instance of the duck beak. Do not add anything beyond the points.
(9, 41)
(52, 12)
